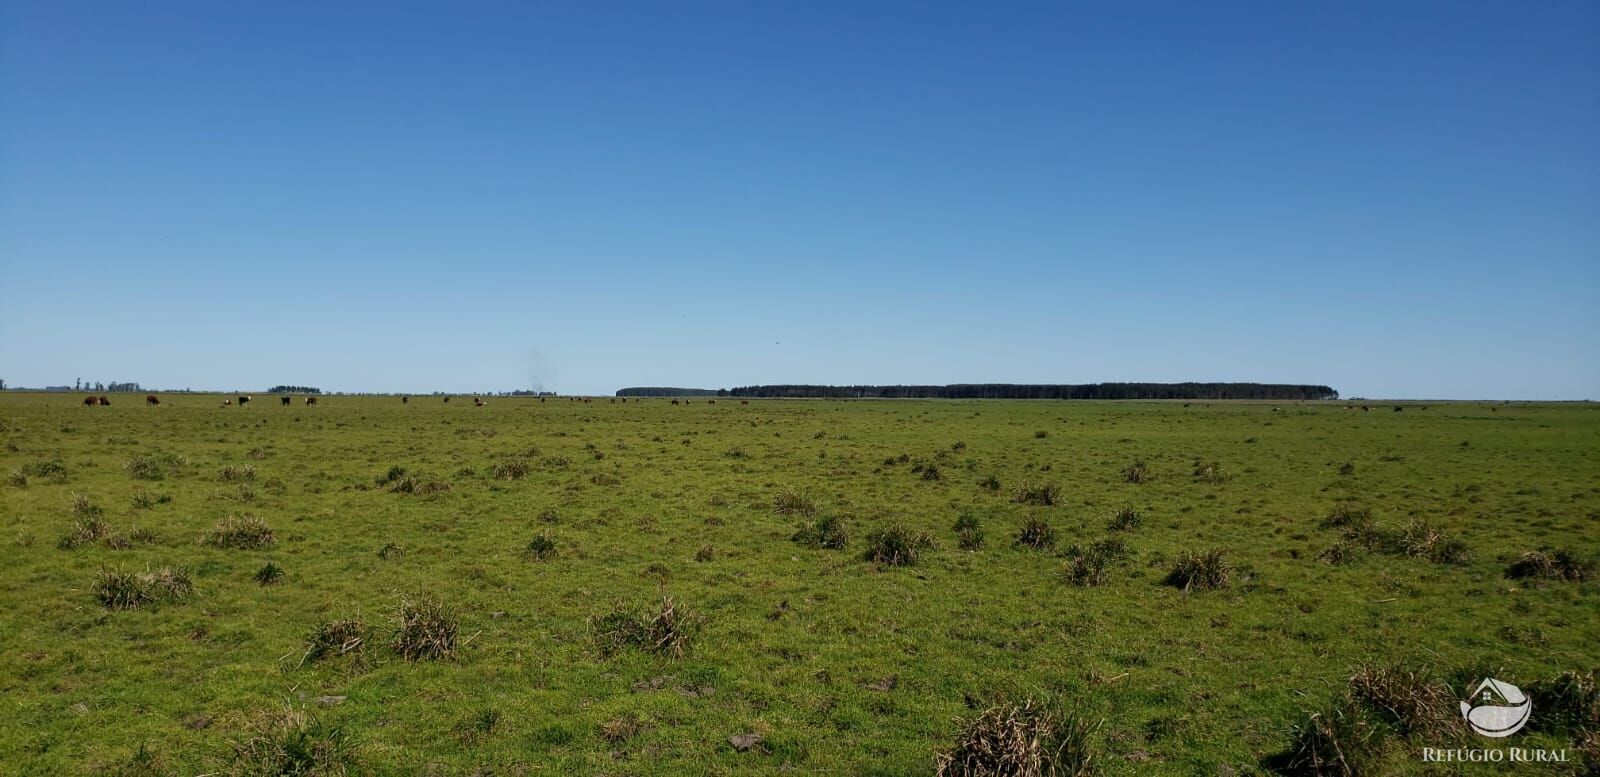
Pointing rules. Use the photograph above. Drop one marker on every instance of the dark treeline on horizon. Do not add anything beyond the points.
(1285, 391)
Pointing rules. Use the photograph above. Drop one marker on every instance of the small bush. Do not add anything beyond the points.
(1135, 472)
(337, 638)
(426, 630)
(240, 532)
(1091, 565)
(1551, 564)
(542, 547)
(896, 546)
(269, 574)
(1023, 740)
(826, 532)
(145, 468)
(1041, 494)
(931, 472)
(1201, 571)
(290, 743)
(969, 533)
(1036, 533)
(790, 502)
(1126, 519)
(85, 531)
(664, 630)
(510, 469)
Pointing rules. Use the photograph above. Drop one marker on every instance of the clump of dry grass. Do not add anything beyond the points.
(1201, 571)
(1040, 494)
(619, 730)
(1209, 472)
(426, 630)
(337, 638)
(240, 532)
(510, 469)
(1091, 565)
(1409, 700)
(85, 530)
(291, 743)
(1020, 740)
(1421, 539)
(1568, 703)
(117, 589)
(1551, 564)
(1036, 533)
(417, 485)
(826, 532)
(1136, 472)
(791, 502)
(1126, 519)
(989, 483)
(666, 629)
(896, 546)
(1336, 742)
(1341, 552)
(969, 532)
(237, 473)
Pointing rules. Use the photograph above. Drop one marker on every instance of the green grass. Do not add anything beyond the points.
(843, 664)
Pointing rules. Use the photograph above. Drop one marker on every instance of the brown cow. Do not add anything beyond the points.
(91, 401)
(311, 400)
(674, 401)
(744, 401)
(404, 400)
(541, 400)
(447, 400)
(711, 401)
(151, 400)
(478, 402)
(105, 401)
(284, 400)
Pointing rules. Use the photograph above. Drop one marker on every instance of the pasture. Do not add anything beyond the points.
(190, 588)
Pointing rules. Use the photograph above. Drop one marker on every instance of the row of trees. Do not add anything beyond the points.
(668, 391)
(294, 390)
(1279, 391)
(82, 385)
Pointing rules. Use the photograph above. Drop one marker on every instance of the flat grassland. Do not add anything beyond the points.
(841, 664)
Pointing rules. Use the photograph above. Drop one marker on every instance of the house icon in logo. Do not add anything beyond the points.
(1496, 709)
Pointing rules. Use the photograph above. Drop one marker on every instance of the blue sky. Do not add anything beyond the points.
(1396, 199)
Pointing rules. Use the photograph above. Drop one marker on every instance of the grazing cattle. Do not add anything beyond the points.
(541, 400)
(311, 400)
(91, 401)
(674, 401)
(243, 401)
(1398, 408)
(447, 400)
(151, 400)
(405, 400)
(104, 401)
(744, 401)
(227, 403)
(711, 401)
(478, 402)
(284, 400)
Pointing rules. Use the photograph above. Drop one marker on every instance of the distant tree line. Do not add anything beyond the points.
(667, 391)
(294, 390)
(82, 385)
(1280, 391)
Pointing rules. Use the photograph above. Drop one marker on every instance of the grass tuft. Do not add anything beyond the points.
(666, 629)
(1039, 494)
(1020, 740)
(896, 546)
(240, 532)
(1126, 519)
(291, 743)
(1201, 571)
(1551, 564)
(1036, 533)
(542, 547)
(1091, 565)
(337, 638)
(790, 502)
(969, 532)
(826, 532)
(426, 630)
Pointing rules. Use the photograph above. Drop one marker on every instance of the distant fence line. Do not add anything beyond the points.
(1202, 391)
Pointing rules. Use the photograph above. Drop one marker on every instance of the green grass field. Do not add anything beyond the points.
(842, 665)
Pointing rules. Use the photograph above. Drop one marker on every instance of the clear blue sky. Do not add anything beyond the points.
(1397, 199)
